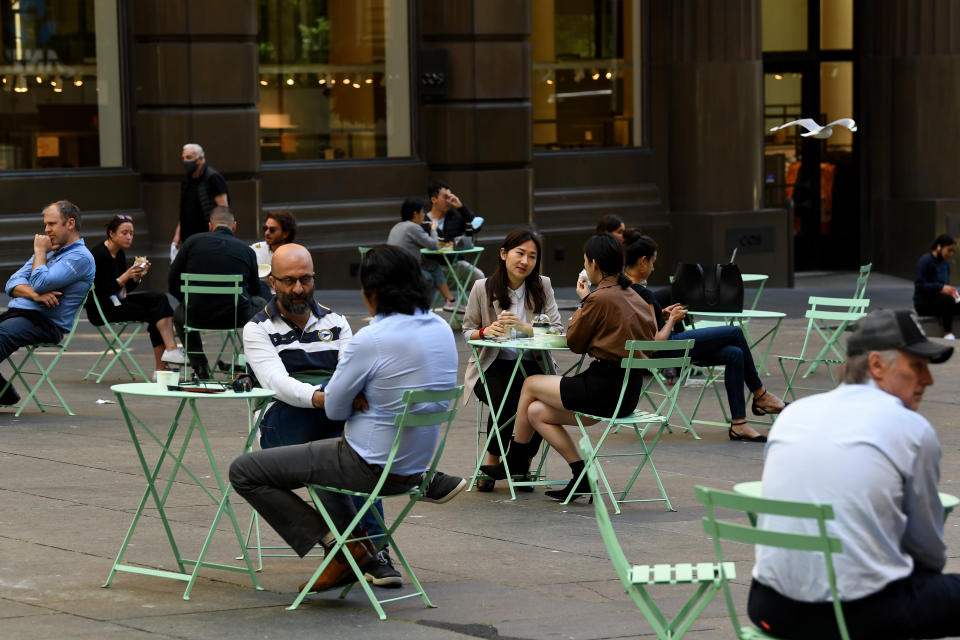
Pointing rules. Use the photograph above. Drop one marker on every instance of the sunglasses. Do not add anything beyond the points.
(271, 229)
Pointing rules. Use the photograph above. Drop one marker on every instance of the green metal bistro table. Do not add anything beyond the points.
(742, 318)
(451, 257)
(255, 401)
(543, 347)
(754, 489)
(759, 279)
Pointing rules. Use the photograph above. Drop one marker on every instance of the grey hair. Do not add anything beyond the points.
(856, 369)
(193, 146)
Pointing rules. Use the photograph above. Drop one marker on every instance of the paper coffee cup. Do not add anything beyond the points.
(167, 378)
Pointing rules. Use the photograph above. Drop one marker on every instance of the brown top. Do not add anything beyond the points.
(607, 318)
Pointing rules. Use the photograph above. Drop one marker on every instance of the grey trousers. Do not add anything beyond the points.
(266, 479)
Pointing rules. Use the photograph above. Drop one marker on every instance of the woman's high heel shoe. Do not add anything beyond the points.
(736, 436)
(760, 411)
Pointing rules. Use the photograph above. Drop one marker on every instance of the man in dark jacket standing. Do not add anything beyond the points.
(215, 252)
(201, 189)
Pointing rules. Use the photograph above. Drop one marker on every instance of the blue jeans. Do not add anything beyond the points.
(725, 346)
(19, 331)
(286, 425)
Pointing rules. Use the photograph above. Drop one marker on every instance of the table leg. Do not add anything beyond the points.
(494, 432)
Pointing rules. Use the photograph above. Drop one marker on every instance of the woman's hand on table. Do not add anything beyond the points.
(509, 320)
(495, 329)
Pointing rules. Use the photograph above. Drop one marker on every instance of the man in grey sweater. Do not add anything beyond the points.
(410, 235)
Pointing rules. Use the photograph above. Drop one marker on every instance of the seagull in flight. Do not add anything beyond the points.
(816, 131)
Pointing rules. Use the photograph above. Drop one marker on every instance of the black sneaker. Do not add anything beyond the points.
(443, 488)
(381, 573)
(10, 397)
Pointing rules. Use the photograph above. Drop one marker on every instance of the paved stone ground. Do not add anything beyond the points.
(495, 568)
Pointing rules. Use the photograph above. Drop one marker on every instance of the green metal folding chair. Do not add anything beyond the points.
(822, 543)
(637, 578)
(408, 419)
(639, 420)
(20, 369)
(117, 344)
(662, 397)
(823, 310)
(859, 291)
(228, 285)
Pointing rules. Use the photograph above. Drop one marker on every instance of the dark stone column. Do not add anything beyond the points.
(479, 137)
(709, 62)
(911, 60)
(196, 81)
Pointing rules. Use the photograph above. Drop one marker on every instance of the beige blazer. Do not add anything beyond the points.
(480, 312)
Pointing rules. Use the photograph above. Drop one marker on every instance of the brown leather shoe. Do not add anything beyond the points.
(338, 573)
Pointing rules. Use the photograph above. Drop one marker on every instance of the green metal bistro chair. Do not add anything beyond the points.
(662, 397)
(637, 578)
(117, 344)
(859, 291)
(409, 418)
(822, 310)
(43, 373)
(639, 420)
(227, 285)
(822, 543)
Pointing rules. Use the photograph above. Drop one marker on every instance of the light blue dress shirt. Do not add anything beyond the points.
(877, 463)
(394, 353)
(69, 269)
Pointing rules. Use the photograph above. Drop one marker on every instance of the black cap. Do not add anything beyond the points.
(888, 329)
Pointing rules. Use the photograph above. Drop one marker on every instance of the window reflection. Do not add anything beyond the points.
(586, 90)
(327, 71)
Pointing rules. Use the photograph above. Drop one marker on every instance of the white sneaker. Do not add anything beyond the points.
(173, 356)
(949, 336)
(450, 305)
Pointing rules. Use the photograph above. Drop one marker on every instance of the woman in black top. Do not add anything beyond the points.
(115, 282)
(713, 346)
(932, 293)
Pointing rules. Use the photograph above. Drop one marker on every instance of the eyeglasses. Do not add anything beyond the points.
(305, 281)
(271, 229)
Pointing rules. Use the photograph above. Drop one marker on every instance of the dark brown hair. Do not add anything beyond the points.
(116, 221)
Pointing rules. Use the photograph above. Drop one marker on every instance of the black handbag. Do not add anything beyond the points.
(712, 287)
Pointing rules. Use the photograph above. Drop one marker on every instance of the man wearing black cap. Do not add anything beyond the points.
(865, 450)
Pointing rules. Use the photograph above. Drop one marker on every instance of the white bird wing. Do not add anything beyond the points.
(806, 123)
(845, 122)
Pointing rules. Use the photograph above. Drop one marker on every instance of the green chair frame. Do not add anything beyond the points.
(214, 284)
(43, 373)
(748, 534)
(662, 396)
(823, 310)
(117, 344)
(407, 419)
(636, 579)
(639, 420)
(859, 291)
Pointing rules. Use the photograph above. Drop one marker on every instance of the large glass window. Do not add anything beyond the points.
(586, 73)
(334, 79)
(59, 84)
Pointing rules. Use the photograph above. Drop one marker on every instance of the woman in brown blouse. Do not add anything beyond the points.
(609, 316)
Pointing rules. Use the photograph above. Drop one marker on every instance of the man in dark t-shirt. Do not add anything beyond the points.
(201, 189)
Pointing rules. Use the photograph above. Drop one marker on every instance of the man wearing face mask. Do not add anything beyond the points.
(201, 189)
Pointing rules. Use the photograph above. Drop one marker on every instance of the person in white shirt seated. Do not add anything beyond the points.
(279, 228)
(865, 450)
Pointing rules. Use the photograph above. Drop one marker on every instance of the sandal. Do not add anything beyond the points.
(737, 436)
(764, 411)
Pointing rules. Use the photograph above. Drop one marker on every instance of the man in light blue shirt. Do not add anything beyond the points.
(405, 347)
(863, 449)
(48, 289)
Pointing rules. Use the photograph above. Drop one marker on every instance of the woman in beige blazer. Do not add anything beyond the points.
(506, 304)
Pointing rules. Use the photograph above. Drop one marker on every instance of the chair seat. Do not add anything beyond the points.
(684, 573)
(632, 418)
(799, 359)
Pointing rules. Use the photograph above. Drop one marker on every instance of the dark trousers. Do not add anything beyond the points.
(923, 605)
(21, 328)
(943, 307)
(725, 346)
(143, 306)
(497, 376)
(267, 479)
(284, 425)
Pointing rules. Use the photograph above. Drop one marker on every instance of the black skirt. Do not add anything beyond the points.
(596, 390)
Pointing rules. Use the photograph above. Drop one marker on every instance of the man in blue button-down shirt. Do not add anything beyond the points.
(48, 289)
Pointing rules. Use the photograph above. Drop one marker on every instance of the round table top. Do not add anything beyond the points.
(754, 277)
(751, 314)
(530, 344)
(152, 389)
(754, 489)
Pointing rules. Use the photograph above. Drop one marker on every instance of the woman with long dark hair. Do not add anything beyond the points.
(932, 293)
(714, 346)
(115, 283)
(506, 304)
(608, 316)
